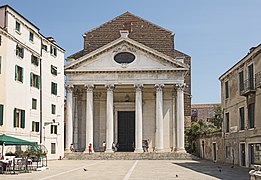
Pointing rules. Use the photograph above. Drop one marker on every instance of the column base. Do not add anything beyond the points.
(67, 151)
(160, 150)
(138, 150)
(109, 151)
(87, 151)
(181, 150)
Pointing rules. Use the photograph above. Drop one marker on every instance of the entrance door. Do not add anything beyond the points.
(243, 155)
(126, 131)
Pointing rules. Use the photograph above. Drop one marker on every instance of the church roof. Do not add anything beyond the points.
(140, 30)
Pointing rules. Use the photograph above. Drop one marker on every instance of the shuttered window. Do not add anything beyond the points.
(54, 88)
(18, 73)
(34, 80)
(19, 118)
(1, 114)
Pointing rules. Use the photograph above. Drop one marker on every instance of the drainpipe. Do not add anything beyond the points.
(41, 103)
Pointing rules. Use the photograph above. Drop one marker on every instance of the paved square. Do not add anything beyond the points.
(134, 170)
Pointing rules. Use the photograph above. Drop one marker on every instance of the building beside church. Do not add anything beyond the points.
(31, 84)
(241, 101)
(128, 84)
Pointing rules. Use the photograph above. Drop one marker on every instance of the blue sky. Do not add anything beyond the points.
(215, 33)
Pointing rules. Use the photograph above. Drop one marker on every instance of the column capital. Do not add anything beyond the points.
(159, 87)
(180, 86)
(110, 87)
(89, 87)
(69, 88)
(138, 87)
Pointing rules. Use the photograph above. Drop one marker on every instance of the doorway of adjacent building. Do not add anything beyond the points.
(243, 154)
(126, 131)
(214, 152)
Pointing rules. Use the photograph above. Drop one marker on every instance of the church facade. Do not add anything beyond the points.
(128, 85)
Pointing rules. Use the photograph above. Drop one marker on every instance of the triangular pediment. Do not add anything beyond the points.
(146, 59)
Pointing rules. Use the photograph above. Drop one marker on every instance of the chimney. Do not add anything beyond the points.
(51, 39)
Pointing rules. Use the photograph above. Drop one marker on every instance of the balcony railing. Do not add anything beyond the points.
(258, 79)
(248, 87)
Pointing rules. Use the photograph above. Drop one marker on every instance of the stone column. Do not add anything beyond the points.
(180, 117)
(89, 116)
(109, 122)
(69, 118)
(75, 122)
(159, 117)
(138, 119)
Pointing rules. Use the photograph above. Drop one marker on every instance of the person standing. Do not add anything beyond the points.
(113, 147)
(90, 148)
(104, 146)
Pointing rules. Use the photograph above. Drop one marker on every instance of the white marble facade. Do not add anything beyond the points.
(98, 88)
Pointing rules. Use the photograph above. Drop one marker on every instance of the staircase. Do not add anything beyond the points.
(127, 156)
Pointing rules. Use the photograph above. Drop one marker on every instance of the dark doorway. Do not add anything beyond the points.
(126, 131)
(243, 155)
(214, 152)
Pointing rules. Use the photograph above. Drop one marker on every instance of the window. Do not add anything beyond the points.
(1, 114)
(54, 70)
(251, 115)
(54, 88)
(34, 103)
(17, 26)
(53, 51)
(19, 118)
(0, 64)
(44, 47)
(53, 129)
(226, 89)
(31, 36)
(242, 118)
(34, 60)
(124, 57)
(35, 126)
(53, 109)
(0, 40)
(251, 77)
(34, 80)
(227, 122)
(227, 151)
(241, 81)
(19, 51)
(53, 148)
(18, 73)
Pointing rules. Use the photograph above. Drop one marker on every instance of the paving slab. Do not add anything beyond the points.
(134, 170)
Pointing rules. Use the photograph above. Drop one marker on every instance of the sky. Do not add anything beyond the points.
(215, 33)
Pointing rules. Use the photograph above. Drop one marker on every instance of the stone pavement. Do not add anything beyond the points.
(134, 170)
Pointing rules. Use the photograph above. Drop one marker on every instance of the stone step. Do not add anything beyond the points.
(127, 156)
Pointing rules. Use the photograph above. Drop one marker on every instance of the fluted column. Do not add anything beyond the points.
(69, 118)
(75, 123)
(159, 117)
(138, 119)
(109, 122)
(180, 117)
(89, 116)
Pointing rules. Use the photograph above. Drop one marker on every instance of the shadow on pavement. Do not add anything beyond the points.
(221, 171)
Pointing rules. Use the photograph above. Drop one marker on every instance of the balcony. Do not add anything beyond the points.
(248, 87)
(258, 79)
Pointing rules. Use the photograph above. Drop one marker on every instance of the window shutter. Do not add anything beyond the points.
(22, 72)
(16, 72)
(32, 125)
(55, 89)
(37, 126)
(22, 52)
(51, 129)
(1, 114)
(31, 79)
(38, 82)
(14, 117)
(23, 119)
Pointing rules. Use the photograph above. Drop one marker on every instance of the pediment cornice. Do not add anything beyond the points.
(122, 44)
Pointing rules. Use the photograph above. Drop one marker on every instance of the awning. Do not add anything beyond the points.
(9, 140)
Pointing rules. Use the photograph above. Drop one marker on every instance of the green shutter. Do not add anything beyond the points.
(37, 126)
(14, 117)
(1, 114)
(23, 119)
(32, 125)
(22, 72)
(38, 82)
(31, 79)
(55, 88)
(16, 72)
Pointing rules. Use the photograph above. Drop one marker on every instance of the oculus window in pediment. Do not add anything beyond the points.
(124, 58)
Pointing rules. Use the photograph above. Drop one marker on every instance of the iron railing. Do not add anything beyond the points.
(247, 87)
